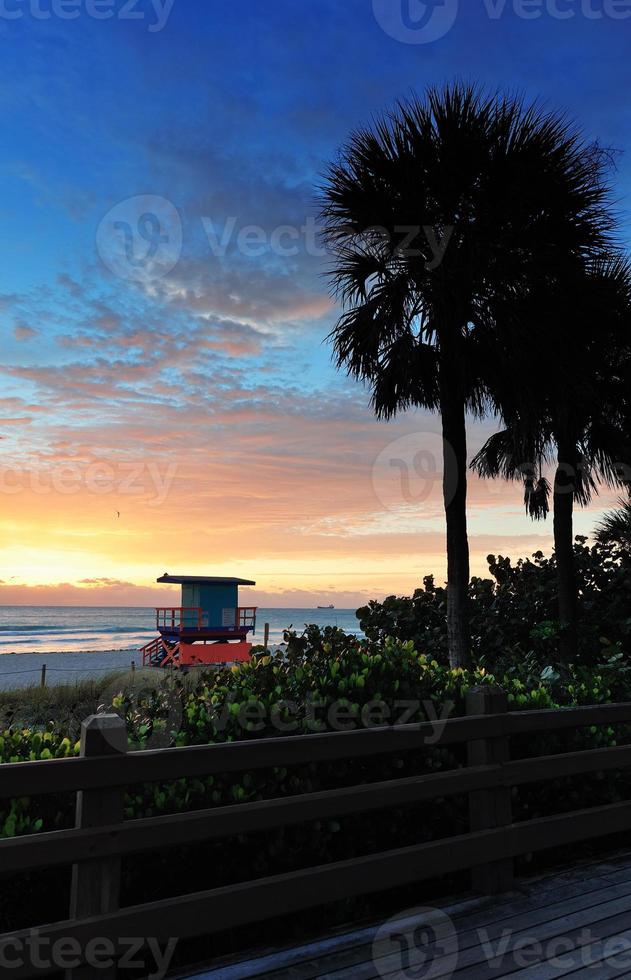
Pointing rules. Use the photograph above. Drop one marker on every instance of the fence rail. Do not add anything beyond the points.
(101, 837)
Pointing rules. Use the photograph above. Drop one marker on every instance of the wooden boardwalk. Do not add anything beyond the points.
(576, 924)
(578, 914)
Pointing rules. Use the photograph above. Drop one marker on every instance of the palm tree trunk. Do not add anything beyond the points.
(564, 550)
(455, 500)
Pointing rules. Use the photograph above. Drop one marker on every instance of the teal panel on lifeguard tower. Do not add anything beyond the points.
(214, 599)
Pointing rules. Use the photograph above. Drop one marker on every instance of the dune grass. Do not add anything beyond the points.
(64, 704)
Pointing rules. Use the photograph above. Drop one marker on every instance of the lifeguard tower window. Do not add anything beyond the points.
(228, 617)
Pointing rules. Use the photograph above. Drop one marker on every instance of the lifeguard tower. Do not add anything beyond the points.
(209, 627)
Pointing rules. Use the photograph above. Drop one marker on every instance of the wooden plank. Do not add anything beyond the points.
(350, 961)
(478, 962)
(543, 898)
(541, 768)
(540, 914)
(66, 846)
(570, 930)
(615, 876)
(583, 872)
(574, 965)
(69, 775)
(555, 719)
(566, 828)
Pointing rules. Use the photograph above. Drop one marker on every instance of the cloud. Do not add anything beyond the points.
(22, 331)
(8, 300)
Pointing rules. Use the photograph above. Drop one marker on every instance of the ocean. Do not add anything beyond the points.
(78, 642)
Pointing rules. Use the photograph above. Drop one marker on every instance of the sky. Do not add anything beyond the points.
(167, 396)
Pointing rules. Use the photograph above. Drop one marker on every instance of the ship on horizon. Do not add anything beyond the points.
(326, 607)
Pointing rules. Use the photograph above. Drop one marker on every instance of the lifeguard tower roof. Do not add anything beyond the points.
(203, 580)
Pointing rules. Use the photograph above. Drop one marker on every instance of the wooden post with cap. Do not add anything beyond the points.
(490, 809)
(96, 883)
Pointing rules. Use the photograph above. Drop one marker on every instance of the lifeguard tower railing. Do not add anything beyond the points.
(177, 618)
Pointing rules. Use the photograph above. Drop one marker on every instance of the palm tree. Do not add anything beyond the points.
(615, 527)
(438, 216)
(572, 411)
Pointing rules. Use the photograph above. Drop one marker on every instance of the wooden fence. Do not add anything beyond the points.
(101, 837)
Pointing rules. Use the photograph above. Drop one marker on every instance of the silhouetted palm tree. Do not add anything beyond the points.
(439, 216)
(615, 527)
(571, 409)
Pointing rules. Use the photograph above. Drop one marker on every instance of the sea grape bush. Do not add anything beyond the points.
(19, 816)
(513, 614)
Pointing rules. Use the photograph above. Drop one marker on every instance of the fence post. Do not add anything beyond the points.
(96, 883)
(489, 809)
(43, 681)
(266, 636)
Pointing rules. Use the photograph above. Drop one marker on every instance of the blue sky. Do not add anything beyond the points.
(228, 114)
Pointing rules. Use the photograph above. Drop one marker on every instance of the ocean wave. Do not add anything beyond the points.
(18, 628)
(68, 653)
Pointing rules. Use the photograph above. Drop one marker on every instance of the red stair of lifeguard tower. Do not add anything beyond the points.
(209, 627)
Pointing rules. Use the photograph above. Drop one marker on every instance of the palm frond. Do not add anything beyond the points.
(511, 454)
(522, 202)
(615, 527)
(537, 498)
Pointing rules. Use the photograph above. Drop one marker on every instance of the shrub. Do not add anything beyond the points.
(513, 614)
